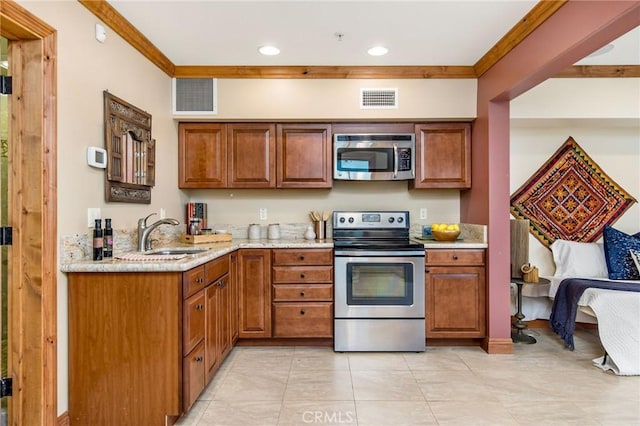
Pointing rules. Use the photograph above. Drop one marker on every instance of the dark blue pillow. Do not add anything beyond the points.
(616, 252)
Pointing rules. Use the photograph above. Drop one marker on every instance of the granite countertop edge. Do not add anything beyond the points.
(220, 249)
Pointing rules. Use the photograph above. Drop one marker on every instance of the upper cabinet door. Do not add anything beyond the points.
(202, 155)
(251, 155)
(443, 156)
(304, 156)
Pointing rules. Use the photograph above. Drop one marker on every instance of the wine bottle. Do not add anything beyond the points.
(98, 240)
(107, 249)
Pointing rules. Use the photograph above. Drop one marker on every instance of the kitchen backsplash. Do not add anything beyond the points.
(78, 246)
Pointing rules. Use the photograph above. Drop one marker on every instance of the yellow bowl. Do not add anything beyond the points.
(445, 235)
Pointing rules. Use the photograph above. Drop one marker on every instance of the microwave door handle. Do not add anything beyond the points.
(395, 161)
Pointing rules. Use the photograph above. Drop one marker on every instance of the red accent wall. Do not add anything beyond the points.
(574, 31)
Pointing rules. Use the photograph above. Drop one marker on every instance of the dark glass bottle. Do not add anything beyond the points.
(107, 249)
(98, 240)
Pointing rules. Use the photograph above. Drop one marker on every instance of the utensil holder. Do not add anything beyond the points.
(320, 228)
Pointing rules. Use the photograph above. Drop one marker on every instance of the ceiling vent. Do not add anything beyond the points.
(378, 98)
(195, 96)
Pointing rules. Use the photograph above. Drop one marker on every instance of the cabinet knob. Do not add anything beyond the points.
(199, 307)
(199, 359)
(301, 311)
(301, 275)
(301, 257)
(302, 293)
(455, 257)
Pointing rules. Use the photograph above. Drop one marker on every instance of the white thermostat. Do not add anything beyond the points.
(97, 157)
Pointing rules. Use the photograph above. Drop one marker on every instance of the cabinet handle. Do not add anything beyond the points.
(455, 257)
(301, 311)
(199, 359)
(301, 275)
(199, 307)
(302, 293)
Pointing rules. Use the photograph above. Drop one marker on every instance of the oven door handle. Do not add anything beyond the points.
(378, 253)
(395, 160)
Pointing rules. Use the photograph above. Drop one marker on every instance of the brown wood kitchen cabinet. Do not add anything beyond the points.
(202, 155)
(143, 345)
(443, 156)
(254, 284)
(455, 293)
(303, 153)
(254, 155)
(302, 293)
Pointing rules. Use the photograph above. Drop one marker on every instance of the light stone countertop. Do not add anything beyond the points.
(219, 249)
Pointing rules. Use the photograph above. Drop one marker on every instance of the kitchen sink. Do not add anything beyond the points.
(184, 250)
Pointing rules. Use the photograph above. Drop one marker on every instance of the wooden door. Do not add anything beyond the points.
(443, 156)
(304, 156)
(33, 257)
(251, 155)
(254, 275)
(202, 155)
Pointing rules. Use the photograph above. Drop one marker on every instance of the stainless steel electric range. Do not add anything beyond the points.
(379, 283)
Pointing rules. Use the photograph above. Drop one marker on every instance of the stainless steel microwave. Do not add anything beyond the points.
(379, 156)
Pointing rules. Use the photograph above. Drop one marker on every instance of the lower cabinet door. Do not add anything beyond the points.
(193, 375)
(303, 319)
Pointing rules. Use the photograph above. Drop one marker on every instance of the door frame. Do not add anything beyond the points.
(33, 257)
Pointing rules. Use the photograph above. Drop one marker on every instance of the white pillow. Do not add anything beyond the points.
(635, 255)
(579, 260)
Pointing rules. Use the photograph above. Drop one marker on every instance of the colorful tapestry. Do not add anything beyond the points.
(569, 198)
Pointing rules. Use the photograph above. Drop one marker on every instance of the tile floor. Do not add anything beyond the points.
(540, 384)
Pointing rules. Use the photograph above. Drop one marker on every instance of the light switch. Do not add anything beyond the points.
(93, 213)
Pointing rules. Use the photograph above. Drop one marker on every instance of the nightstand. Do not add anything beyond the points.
(518, 335)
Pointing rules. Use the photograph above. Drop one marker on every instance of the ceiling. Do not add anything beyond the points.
(337, 33)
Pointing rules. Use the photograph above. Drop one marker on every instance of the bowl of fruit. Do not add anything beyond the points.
(445, 232)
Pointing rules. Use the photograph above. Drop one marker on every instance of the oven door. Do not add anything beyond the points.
(379, 286)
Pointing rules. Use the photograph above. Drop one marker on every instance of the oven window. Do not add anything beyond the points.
(380, 284)
(365, 160)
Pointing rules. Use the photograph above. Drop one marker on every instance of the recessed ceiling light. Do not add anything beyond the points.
(378, 51)
(269, 50)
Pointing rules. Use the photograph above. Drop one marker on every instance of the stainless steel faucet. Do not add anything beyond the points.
(144, 243)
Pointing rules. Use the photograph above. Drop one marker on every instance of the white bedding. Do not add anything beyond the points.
(618, 318)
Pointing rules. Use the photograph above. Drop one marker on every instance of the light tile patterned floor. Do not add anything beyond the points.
(540, 384)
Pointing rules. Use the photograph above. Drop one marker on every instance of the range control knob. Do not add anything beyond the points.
(341, 220)
(400, 219)
(391, 219)
(350, 220)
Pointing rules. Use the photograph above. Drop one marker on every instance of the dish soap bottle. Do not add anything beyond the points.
(97, 240)
(107, 250)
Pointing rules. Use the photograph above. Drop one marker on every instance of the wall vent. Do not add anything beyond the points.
(195, 96)
(378, 98)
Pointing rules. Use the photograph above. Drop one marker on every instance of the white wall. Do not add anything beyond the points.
(602, 116)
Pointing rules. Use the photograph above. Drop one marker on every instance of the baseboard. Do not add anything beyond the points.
(282, 341)
(498, 345)
(63, 419)
(543, 323)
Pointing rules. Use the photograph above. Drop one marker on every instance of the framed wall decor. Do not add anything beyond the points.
(130, 172)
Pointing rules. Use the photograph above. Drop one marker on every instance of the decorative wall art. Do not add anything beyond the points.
(569, 198)
(130, 173)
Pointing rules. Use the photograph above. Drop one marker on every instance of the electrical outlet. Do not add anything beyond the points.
(423, 213)
(263, 213)
(163, 214)
(93, 213)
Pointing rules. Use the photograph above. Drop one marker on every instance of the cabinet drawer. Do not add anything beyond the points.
(303, 319)
(192, 281)
(193, 376)
(302, 274)
(193, 322)
(455, 257)
(299, 293)
(216, 268)
(303, 257)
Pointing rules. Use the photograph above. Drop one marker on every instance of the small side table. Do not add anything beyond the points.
(518, 335)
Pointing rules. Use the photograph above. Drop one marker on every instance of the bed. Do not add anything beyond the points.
(582, 290)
